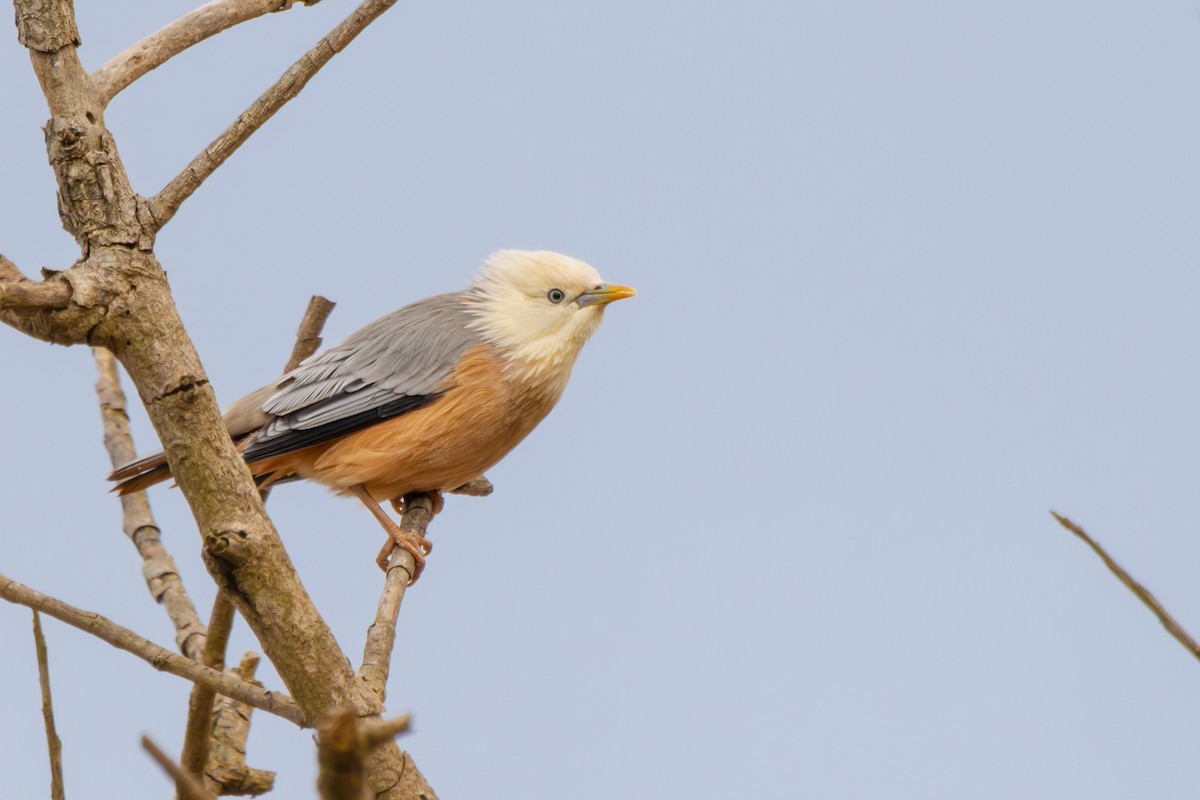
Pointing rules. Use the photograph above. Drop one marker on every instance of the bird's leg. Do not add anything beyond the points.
(414, 543)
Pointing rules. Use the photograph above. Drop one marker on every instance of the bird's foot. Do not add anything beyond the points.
(416, 544)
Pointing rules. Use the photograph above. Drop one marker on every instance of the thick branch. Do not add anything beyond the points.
(164, 205)
(187, 787)
(381, 636)
(1139, 591)
(52, 741)
(161, 659)
(166, 43)
(158, 568)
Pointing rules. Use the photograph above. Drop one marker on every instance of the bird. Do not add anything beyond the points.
(424, 399)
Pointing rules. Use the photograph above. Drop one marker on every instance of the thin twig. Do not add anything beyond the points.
(164, 44)
(162, 576)
(381, 636)
(374, 732)
(158, 657)
(308, 336)
(186, 785)
(52, 740)
(1139, 591)
(164, 205)
(197, 731)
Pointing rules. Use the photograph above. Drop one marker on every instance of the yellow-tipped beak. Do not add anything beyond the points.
(604, 294)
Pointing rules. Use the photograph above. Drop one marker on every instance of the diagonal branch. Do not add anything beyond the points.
(381, 636)
(164, 205)
(52, 740)
(1139, 591)
(162, 576)
(200, 730)
(161, 659)
(164, 44)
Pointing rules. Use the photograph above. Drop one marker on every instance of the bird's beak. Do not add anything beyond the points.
(604, 294)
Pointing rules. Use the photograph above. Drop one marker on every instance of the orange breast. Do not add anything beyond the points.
(482, 415)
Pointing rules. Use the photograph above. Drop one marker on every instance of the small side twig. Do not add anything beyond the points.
(164, 44)
(164, 204)
(1139, 591)
(52, 740)
(381, 636)
(186, 785)
(158, 657)
(374, 732)
(158, 568)
(308, 335)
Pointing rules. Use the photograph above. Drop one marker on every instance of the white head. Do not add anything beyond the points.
(540, 307)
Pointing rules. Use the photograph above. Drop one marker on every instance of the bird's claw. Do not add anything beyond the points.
(414, 543)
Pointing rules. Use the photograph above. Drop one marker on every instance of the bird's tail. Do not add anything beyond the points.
(141, 474)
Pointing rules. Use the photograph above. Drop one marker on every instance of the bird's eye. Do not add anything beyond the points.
(556, 295)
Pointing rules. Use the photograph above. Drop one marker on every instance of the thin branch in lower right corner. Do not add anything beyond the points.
(1139, 591)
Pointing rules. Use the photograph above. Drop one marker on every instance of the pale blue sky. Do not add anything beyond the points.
(910, 274)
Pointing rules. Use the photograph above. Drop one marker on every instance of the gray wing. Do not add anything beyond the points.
(395, 364)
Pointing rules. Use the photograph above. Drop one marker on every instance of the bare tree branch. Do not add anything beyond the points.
(1139, 591)
(161, 659)
(162, 576)
(381, 636)
(164, 44)
(198, 730)
(308, 336)
(226, 772)
(164, 205)
(186, 785)
(52, 741)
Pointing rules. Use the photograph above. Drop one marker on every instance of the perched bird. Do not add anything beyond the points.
(424, 399)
